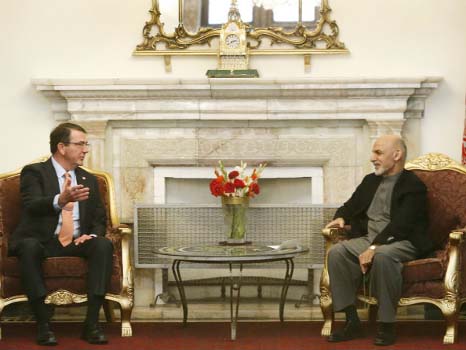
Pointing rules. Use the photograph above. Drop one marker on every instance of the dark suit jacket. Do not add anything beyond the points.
(39, 219)
(408, 211)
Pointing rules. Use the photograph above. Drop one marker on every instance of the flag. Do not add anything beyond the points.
(464, 146)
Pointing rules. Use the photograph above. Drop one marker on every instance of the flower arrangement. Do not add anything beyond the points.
(236, 183)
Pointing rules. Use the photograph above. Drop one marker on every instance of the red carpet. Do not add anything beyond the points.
(216, 336)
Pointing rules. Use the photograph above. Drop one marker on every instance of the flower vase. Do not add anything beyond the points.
(235, 211)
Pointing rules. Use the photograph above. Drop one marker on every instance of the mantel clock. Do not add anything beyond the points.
(233, 55)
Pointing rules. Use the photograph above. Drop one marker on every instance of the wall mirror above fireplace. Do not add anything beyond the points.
(273, 27)
(284, 14)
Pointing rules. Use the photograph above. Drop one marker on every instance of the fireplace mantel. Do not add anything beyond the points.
(233, 99)
(136, 124)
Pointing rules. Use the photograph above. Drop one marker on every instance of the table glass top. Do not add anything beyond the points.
(225, 251)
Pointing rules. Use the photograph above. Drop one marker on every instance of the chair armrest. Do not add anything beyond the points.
(457, 237)
(124, 229)
(335, 234)
(117, 233)
(453, 280)
(120, 237)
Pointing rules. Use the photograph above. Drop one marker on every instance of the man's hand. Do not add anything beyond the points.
(82, 239)
(365, 260)
(338, 222)
(72, 193)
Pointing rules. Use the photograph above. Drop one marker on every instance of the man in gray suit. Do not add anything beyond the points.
(388, 218)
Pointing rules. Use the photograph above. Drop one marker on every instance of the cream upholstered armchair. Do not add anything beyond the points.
(439, 278)
(65, 277)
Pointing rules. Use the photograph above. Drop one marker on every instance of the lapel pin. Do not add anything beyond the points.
(84, 178)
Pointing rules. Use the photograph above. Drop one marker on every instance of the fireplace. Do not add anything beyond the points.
(280, 185)
(146, 132)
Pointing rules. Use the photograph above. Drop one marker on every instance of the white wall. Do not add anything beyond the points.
(95, 39)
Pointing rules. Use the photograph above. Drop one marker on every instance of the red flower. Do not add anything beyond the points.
(254, 188)
(239, 183)
(229, 187)
(233, 174)
(216, 188)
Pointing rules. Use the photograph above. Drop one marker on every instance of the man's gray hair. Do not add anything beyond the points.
(404, 148)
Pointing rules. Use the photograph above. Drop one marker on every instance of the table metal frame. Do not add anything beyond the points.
(235, 279)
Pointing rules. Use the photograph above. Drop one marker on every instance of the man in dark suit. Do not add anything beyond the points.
(388, 218)
(63, 215)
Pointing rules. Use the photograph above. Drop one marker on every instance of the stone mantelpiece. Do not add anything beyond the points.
(135, 124)
(261, 99)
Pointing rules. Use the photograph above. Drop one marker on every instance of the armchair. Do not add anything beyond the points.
(437, 279)
(65, 277)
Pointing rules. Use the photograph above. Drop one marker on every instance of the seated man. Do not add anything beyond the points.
(63, 215)
(388, 218)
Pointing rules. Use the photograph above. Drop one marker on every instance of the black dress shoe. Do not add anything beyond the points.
(384, 338)
(45, 336)
(351, 330)
(93, 334)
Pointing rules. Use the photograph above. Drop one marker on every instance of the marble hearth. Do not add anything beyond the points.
(137, 125)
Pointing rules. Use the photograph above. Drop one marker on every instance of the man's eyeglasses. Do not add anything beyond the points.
(79, 144)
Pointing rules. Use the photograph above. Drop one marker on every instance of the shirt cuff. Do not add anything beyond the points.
(55, 203)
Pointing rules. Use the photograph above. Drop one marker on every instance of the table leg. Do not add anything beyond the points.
(286, 283)
(235, 287)
(179, 285)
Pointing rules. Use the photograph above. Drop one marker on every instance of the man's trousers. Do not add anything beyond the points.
(385, 274)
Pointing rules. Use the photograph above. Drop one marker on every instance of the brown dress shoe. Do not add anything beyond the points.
(351, 330)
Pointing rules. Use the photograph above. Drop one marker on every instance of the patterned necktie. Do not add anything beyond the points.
(65, 236)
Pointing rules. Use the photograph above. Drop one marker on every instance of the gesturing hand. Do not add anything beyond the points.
(72, 193)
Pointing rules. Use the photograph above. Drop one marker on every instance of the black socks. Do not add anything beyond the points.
(94, 303)
(40, 310)
(351, 314)
(387, 327)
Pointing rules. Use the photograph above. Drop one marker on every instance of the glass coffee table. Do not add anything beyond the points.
(235, 257)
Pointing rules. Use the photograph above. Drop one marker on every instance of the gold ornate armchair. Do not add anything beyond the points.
(438, 279)
(65, 277)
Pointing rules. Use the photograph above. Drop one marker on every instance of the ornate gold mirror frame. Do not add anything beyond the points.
(321, 39)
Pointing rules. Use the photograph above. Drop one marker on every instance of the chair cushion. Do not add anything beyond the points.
(52, 267)
(67, 273)
(420, 270)
(64, 266)
(426, 289)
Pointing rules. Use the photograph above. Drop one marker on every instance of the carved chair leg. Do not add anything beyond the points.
(1, 310)
(126, 309)
(108, 310)
(326, 305)
(450, 312)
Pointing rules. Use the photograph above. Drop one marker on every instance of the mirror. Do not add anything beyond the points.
(257, 14)
(283, 26)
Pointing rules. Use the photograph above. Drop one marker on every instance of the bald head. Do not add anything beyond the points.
(395, 143)
(388, 155)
